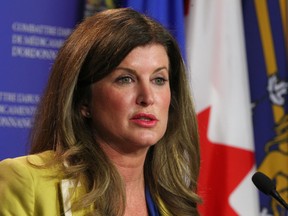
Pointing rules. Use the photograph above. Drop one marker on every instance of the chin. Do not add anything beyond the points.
(147, 141)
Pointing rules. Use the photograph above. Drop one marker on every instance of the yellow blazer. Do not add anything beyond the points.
(29, 190)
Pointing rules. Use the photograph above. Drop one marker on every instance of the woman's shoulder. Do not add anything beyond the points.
(25, 178)
(29, 165)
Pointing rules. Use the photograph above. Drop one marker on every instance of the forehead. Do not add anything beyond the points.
(148, 54)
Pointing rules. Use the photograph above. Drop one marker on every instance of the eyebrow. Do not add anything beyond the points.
(133, 71)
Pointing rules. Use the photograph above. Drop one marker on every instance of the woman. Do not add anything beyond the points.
(115, 133)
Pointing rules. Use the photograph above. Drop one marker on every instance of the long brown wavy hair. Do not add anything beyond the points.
(94, 49)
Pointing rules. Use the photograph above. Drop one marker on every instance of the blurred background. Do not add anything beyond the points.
(237, 64)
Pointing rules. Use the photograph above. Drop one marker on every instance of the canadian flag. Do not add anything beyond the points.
(219, 79)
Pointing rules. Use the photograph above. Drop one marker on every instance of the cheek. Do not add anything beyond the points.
(165, 101)
(164, 107)
(111, 102)
(119, 100)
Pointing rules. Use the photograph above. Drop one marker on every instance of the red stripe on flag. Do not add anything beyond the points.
(222, 169)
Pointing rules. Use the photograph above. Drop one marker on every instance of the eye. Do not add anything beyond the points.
(160, 81)
(124, 80)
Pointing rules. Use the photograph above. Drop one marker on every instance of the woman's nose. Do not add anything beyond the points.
(145, 95)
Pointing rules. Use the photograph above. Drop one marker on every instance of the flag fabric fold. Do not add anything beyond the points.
(218, 71)
(266, 39)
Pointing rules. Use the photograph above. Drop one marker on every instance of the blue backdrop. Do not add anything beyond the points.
(31, 33)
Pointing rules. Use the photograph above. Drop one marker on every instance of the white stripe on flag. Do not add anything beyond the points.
(219, 79)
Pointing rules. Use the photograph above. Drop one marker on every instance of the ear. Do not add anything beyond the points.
(85, 110)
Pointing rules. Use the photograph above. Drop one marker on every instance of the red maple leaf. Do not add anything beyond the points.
(222, 168)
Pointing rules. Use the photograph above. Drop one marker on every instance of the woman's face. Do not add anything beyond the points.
(129, 107)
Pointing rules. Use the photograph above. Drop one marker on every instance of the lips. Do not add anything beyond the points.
(144, 120)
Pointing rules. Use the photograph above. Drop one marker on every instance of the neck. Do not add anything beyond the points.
(129, 165)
